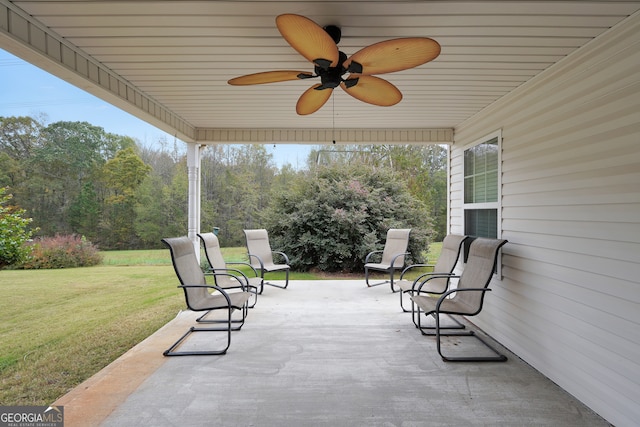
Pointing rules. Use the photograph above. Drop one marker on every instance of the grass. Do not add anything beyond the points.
(59, 327)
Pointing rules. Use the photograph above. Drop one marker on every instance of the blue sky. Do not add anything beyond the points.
(26, 90)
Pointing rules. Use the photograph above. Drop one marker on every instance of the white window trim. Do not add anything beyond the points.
(489, 205)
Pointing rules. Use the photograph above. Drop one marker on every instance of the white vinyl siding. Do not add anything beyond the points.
(569, 301)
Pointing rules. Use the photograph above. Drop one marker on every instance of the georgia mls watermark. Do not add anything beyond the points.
(31, 416)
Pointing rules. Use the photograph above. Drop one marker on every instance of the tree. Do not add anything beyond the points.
(422, 167)
(84, 212)
(19, 136)
(332, 217)
(68, 156)
(122, 176)
(161, 208)
(14, 232)
(236, 188)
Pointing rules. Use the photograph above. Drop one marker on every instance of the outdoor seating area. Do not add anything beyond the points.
(330, 352)
(466, 299)
(323, 353)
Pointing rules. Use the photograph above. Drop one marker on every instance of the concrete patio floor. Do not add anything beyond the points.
(320, 353)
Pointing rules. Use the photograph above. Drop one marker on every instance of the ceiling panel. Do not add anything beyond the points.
(181, 53)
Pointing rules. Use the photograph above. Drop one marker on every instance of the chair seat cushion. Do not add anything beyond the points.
(217, 301)
(428, 304)
(404, 285)
(275, 267)
(437, 285)
(379, 266)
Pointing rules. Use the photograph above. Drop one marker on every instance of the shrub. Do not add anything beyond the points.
(13, 232)
(334, 216)
(62, 251)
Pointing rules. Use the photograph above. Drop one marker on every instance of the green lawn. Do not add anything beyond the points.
(59, 327)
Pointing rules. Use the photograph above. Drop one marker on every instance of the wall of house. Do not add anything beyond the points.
(569, 299)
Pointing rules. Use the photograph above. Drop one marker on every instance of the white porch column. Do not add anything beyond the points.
(193, 172)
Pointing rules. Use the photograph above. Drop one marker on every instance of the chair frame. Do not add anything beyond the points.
(236, 301)
(419, 282)
(233, 272)
(437, 310)
(277, 267)
(392, 265)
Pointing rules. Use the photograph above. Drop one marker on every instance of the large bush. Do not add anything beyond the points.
(333, 216)
(62, 252)
(14, 232)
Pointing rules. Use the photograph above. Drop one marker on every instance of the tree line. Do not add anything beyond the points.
(74, 178)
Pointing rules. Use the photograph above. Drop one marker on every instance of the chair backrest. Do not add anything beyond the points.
(397, 243)
(212, 250)
(478, 272)
(187, 268)
(258, 244)
(214, 256)
(451, 246)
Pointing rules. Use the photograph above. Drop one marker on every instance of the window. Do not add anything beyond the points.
(482, 188)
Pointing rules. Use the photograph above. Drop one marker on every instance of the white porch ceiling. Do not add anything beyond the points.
(168, 62)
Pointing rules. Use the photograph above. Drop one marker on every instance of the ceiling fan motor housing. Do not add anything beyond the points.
(331, 77)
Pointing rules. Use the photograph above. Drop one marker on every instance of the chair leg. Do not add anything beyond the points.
(458, 325)
(417, 323)
(402, 305)
(171, 350)
(239, 322)
(370, 285)
(254, 291)
(286, 282)
(375, 284)
(393, 290)
(499, 357)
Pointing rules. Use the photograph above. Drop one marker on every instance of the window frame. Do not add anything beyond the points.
(497, 205)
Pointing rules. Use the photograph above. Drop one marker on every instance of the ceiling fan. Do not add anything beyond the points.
(319, 46)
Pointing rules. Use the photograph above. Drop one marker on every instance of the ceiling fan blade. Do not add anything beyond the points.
(312, 99)
(269, 77)
(393, 55)
(373, 90)
(309, 39)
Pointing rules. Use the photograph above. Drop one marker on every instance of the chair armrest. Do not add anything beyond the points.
(286, 258)
(245, 264)
(393, 261)
(230, 272)
(452, 291)
(217, 288)
(409, 267)
(259, 260)
(243, 283)
(431, 276)
(366, 260)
